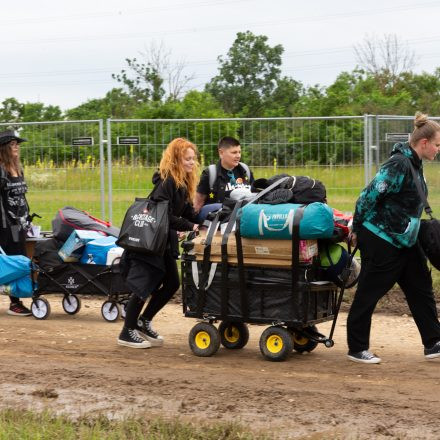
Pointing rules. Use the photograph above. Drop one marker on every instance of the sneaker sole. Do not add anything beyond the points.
(12, 313)
(363, 361)
(432, 356)
(154, 342)
(133, 344)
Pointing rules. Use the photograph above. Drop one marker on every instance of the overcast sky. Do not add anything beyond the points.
(63, 53)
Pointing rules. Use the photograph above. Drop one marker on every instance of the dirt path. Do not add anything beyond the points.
(72, 364)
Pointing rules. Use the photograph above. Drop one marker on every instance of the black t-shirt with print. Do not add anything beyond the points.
(224, 183)
(13, 194)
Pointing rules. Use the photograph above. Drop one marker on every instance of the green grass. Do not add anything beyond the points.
(50, 189)
(27, 425)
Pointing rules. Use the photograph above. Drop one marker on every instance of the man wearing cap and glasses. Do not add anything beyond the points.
(217, 181)
(14, 209)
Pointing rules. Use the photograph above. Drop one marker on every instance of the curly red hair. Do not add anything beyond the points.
(171, 165)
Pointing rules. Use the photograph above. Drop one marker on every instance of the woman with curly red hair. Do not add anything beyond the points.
(157, 277)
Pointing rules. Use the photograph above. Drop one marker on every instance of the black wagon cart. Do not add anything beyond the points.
(289, 300)
(73, 280)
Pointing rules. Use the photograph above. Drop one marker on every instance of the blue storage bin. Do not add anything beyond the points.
(95, 251)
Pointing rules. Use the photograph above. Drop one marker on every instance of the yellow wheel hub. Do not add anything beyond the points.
(232, 334)
(274, 343)
(300, 340)
(202, 340)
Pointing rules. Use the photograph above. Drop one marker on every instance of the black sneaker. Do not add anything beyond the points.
(433, 352)
(18, 309)
(146, 331)
(364, 357)
(131, 338)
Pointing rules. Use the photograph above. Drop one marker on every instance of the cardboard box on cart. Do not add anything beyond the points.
(256, 252)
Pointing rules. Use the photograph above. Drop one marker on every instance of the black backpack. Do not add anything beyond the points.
(296, 189)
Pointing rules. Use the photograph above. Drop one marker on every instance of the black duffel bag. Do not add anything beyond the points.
(429, 238)
(429, 232)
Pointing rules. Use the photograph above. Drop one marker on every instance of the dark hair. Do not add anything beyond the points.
(228, 142)
(7, 161)
(424, 128)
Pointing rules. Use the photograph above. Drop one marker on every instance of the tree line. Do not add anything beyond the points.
(249, 84)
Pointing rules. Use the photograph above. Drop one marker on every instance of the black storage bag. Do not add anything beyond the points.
(46, 253)
(69, 218)
(270, 294)
(75, 278)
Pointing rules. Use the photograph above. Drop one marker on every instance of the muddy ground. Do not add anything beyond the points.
(72, 365)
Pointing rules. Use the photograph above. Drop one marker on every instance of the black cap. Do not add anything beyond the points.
(10, 135)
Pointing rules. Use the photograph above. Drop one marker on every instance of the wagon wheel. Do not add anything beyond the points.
(71, 304)
(233, 335)
(40, 308)
(302, 343)
(204, 339)
(110, 311)
(276, 343)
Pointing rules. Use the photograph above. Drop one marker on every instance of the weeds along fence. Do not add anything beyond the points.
(100, 167)
(330, 149)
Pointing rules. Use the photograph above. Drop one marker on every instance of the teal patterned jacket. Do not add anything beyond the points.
(390, 206)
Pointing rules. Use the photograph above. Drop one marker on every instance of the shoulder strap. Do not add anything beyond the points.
(422, 194)
(246, 170)
(212, 174)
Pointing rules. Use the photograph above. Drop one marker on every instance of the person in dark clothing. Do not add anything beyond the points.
(217, 182)
(157, 277)
(385, 225)
(14, 209)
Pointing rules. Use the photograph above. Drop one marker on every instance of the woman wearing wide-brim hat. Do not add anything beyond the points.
(14, 209)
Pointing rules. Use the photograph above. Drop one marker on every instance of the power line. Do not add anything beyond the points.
(305, 19)
(103, 14)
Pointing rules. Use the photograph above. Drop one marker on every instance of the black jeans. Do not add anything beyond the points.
(383, 265)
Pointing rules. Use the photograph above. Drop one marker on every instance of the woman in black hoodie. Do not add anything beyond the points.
(157, 277)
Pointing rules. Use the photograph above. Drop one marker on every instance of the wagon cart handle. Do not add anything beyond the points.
(341, 293)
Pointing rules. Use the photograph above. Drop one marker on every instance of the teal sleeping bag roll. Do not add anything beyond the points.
(275, 221)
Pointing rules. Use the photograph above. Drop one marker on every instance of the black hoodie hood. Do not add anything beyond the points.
(406, 149)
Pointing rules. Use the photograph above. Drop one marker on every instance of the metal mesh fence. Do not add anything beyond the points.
(63, 166)
(64, 161)
(330, 149)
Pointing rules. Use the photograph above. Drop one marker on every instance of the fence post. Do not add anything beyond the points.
(102, 166)
(110, 178)
(366, 152)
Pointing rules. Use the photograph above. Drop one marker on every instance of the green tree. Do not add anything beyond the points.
(142, 80)
(11, 110)
(247, 76)
(115, 104)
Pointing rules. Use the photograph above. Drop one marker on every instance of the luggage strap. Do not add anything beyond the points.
(295, 247)
(201, 297)
(224, 260)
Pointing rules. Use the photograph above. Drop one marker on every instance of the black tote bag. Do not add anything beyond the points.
(145, 227)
